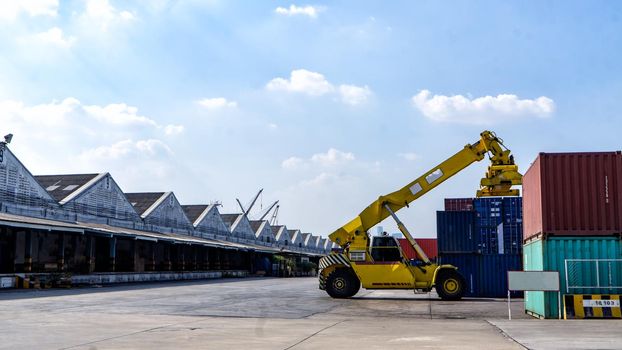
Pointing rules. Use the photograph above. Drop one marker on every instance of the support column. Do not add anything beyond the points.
(28, 251)
(195, 260)
(61, 252)
(219, 255)
(206, 259)
(90, 261)
(134, 255)
(182, 258)
(113, 254)
(251, 262)
(167, 257)
(152, 263)
(14, 246)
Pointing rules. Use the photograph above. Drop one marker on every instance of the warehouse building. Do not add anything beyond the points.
(282, 235)
(296, 238)
(206, 220)
(161, 211)
(93, 197)
(263, 231)
(239, 226)
(85, 225)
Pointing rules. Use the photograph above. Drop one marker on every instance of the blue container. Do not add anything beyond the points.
(493, 278)
(486, 275)
(468, 267)
(455, 232)
(499, 224)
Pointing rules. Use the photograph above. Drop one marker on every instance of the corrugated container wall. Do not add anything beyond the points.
(550, 255)
(429, 246)
(499, 224)
(458, 204)
(486, 275)
(573, 194)
(455, 232)
(468, 267)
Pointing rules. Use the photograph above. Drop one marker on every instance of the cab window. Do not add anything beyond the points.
(385, 249)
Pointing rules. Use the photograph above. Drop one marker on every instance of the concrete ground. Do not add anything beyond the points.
(267, 313)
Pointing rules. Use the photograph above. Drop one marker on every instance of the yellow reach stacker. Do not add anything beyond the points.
(379, 263)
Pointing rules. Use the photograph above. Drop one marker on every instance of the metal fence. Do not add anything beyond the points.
(583, 274)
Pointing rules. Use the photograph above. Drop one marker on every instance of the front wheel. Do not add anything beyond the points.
(450, 285)
(342, 283)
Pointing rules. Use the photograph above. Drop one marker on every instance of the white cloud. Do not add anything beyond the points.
(272, 126)
(118, 113)
(71, 110)
(293, 10)
(481, 110)
(152, 147)
(302, 80)
(11, 9)
(69, 136)
(292, 163)
(354, 95)
(103, 14)
(332, 157)
(409, 156)
(320, 180)
(217, 103)
(173, 129)
(54, 36)
(315, 84)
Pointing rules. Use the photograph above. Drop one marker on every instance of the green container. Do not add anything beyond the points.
(550, 254)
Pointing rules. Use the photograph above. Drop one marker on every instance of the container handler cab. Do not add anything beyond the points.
(379, 263)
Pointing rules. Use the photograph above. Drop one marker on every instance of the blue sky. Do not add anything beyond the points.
(324, 105)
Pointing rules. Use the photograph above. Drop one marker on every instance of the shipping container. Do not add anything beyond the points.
(429, 246)
(498, 224)
(458, 204)
(550, 254)
(468, 267)
(455, 232)
(494, 274)
(573, 194)
(485, 274)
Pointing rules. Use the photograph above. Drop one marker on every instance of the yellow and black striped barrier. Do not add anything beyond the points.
(23, 283)
(592, 306)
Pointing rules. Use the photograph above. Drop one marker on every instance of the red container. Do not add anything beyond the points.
(458, 204)
(570, 194)
(429, 246)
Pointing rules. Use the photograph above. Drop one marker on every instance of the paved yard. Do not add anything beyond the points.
(269, 313)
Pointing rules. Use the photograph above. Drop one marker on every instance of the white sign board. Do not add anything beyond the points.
(533, 280)
(601, 303)
(7, 282)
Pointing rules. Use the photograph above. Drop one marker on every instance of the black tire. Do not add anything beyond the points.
(450, 285)
(342, 283)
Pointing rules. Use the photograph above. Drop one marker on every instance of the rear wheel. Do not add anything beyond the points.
(342, 283)
(450, 285)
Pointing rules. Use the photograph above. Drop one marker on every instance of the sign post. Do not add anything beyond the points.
(547, 281)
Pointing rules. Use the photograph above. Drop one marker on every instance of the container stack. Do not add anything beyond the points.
(483, 238)
(428, 245)
(573, 210)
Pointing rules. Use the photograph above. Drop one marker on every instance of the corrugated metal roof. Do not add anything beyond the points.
(143, 200)
(305, 238)
(255, 225)
(193, 212)
(229, 218)
(62, 186)
(25, 221)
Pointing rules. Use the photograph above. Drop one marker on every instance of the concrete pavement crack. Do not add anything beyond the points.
(503, 333)
(314, 334)
(126, 335)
